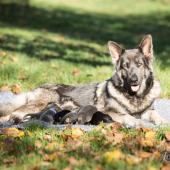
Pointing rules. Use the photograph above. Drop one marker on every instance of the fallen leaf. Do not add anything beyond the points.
(73, 145)
(38, 144)
(76, 72)
(144, 155)
(113, 155)
(12, 132)
(146, 142)
(166, 167)
(76, 133)
(149, 139)
(73, 161)
(16, 88)
(10, 160)
(144, 129)
(67, 168)
(14, 59)
(151, 168)
(50, 147)
(167, 136)
(132, 160)
(51, 157)
(150, 135)
(5, 88)
(115, 126)
(47, 137)
(3, 54)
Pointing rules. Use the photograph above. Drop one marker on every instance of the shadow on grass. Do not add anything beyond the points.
(90, 27)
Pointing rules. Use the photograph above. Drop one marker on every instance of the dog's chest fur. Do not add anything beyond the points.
(118, 102)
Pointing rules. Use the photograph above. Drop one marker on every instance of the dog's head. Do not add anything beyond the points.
(133, 66)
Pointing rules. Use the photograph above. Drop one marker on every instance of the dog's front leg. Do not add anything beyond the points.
(129, 121)
(153, 116)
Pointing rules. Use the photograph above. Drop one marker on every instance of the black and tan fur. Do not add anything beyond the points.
(127, 96)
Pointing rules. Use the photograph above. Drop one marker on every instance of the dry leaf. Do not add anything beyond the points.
(76, 133)
(118, 137)
(116, 126)
(166, 167)
(3, 54)
(38, 144)
(113, 155)
(73, 161)
(147, 142)
(151, 168)
(167, 136)
(76, 72)
(5, 88)
(14, 59)
(73, 144)
(149, 139)
(51, 157)
(150, 135)
(144, 155)
(12, 132)
(16, 88)
(51, 146)
(132, 160)
(67, 168)
(47, 137)
(10, 160)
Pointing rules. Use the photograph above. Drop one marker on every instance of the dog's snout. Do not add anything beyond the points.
(134, 78)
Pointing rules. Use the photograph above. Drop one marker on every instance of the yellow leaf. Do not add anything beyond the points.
(150, 135)
(14, 59)
(151, 168)
(113, 155)
(3, 54)
(12, 132)
(5, 88)
(76, 72)
(51, 157)
(16, 88)
(149, 139)
(132, 160)
(51, 146)
(76, 133)
(147, 142)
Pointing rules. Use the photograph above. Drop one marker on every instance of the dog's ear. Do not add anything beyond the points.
(146, 46)
(115, 51)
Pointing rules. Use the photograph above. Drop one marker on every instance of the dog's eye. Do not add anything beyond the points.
(125, 65)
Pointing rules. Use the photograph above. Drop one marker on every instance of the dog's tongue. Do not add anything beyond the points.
(135, 88)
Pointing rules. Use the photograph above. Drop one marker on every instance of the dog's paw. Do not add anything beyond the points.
(26, 118)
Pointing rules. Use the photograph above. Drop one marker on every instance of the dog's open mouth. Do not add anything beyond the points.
(135, 88)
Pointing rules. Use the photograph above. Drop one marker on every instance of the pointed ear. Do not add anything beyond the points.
(115, 51)
(146, 46)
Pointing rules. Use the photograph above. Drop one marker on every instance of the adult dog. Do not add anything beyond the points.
(127, 96)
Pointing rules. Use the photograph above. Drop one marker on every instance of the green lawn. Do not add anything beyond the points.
(65, 41)
(49, 40)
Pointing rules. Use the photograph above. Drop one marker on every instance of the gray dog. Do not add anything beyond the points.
(127, 96)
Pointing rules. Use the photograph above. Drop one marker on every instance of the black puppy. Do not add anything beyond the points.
(53, 114)
(86, 115)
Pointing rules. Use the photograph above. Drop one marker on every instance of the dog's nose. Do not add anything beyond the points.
(134, 78)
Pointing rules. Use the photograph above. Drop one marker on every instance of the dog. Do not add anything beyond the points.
(127, 97)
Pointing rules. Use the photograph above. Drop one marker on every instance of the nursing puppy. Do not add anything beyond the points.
(127, 96)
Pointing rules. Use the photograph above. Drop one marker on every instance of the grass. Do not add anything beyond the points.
(50, 149)
(65, 42)
(46, 41)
